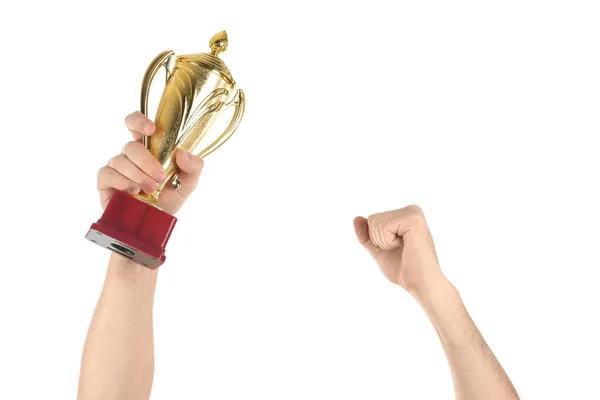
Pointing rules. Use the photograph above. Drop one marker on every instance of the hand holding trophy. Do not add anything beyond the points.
(199, 88)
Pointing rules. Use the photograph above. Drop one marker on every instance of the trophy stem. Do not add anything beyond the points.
(151, 199)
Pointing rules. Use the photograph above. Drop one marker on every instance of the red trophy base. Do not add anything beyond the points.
(133, 229)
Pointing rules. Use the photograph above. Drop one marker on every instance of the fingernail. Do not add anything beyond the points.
(149, 187)
(160, 176)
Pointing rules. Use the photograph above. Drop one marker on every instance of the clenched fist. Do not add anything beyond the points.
(136, 170)
(400, 242)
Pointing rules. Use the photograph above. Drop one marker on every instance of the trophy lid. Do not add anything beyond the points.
(218, 44)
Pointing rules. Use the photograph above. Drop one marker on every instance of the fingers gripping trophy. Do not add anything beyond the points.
(199, 88)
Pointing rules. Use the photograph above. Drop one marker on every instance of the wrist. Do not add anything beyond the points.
(435, 293)
(122, 268)
(446, 310)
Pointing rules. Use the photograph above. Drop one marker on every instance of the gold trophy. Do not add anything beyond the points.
(199, 88)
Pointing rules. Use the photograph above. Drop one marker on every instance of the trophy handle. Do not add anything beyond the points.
(161, 60)
(239, 101)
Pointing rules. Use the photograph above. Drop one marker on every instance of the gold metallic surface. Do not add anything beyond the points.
(218, 43)
(199, 88)
(161, 60)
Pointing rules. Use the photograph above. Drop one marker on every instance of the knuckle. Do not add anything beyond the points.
(416, 215)
(114, 161)
(137, 114)
(103, 172)
(383, 217)
(131, 147)
(371, 219)
(131, 187)
(103, 175)
(374, 223)
(131, 117)
(414, 209)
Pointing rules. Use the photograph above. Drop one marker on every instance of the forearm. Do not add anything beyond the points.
(118, 356)
(476, 372)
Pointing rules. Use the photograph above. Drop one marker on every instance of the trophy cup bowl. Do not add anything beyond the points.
(199, 87)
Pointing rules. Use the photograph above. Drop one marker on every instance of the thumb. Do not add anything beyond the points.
(361, 227)
(190, 168)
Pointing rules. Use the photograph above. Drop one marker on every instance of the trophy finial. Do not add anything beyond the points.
(218, 43)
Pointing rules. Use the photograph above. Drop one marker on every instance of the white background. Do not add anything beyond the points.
(483, 113)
